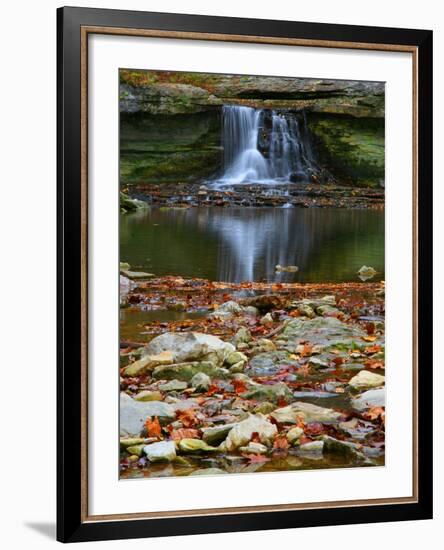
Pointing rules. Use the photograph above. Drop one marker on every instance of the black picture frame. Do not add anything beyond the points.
(71, 523)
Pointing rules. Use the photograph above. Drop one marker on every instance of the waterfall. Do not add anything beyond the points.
(285, 153)
(243, 162)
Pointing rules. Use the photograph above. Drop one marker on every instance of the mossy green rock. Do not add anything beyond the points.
(189, 445)
(352, 149)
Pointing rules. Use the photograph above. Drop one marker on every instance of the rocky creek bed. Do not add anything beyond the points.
(286, 195)
(221, 378)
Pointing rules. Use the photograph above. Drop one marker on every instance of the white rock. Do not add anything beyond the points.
(370, 398)
(242, 432)
(164, 451)
(366, 380)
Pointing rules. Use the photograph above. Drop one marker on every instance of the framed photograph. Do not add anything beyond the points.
(244, 285)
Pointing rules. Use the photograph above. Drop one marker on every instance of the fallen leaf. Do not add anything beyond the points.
(188, 418)
(152, 427)
(184, 433)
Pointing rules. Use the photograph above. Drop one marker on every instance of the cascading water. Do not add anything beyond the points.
(287, 154)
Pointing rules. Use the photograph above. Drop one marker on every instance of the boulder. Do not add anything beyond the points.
(164, 451)
(366, 380)
(134, 413)
(186, 371)
(370, 398)
(190, 347)
(243, 431)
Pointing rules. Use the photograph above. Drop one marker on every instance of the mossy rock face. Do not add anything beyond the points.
(352, 149)
(160, 148)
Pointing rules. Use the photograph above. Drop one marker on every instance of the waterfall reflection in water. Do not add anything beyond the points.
(246, 244)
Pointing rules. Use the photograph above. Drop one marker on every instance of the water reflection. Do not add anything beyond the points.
(246, 244)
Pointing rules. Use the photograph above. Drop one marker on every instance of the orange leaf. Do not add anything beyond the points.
(338, 361)
(188, 418)
(152, 427)
(280, 443)
(307, 350)
(239, 386)
(184, 433)
(372, 349)
(214, 388)
(374, 413)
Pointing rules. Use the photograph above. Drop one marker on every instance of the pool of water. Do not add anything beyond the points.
(246, 244)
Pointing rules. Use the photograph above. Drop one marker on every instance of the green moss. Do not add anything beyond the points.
(161, 148)
(352, 149)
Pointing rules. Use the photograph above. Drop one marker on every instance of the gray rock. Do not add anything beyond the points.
(134, 413)
(370, 398)
(173, 385)
(236, 357)
(192, 346)
(321, 331)
(344, 448)
(243, 431)
(164, 451)
(272, 392)
(307, 412)
(186, 371)
(242, 336)
(267, 363)
(201, 382)
(137, 275)
(254, 448)
(312, 449)
(216, 434)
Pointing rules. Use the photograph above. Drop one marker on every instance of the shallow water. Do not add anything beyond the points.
(246, 244)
